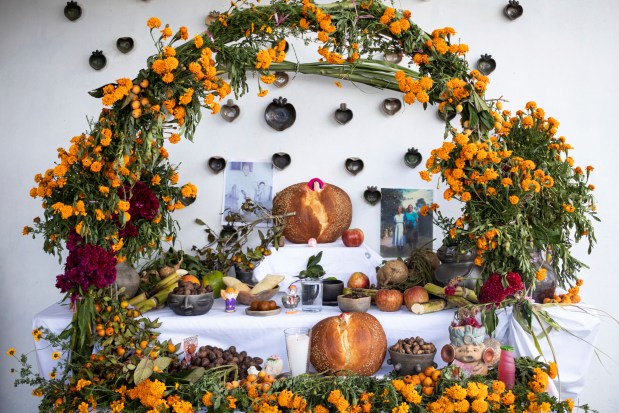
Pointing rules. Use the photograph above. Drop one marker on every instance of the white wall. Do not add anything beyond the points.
(561, 54)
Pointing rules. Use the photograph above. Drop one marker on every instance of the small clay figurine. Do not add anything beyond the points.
(230, 294)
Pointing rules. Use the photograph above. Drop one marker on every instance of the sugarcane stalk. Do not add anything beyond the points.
(460, 292)
(458, 301)
(429, 307)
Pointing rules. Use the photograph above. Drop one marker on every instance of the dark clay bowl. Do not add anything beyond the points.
(408, 364)
(191, 304)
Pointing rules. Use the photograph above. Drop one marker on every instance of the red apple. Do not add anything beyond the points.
(358, 280)
(388, 300)
(414, 295)
(352, 237)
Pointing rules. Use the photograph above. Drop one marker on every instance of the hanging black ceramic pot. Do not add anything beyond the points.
(97, 60)
(281, 79)
(280, 114)
(230, 111)
(513, 10)
(124, 44)
(216, 164)
(391, 106)
(412, 158)
(446, 114)
(372, 195)
(280, 160)
(486, 64)
(72, 10)
(354, 165)
(343, 115)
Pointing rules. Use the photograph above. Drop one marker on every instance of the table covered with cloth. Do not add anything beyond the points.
(263, 336)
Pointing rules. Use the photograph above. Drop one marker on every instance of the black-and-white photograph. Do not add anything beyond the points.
(402, 227)
(243, 180)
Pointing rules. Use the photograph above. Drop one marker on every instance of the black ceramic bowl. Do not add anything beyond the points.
(191, 304)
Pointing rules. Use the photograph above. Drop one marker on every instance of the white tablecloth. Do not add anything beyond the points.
(263, 336)
(338, 261)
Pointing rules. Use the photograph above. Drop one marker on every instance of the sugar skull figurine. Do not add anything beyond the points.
(230, 294)
(468, 350)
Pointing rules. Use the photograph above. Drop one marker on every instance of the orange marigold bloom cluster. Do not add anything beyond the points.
(571, 297)
(113, 93)
(414, 89)
(264, 58)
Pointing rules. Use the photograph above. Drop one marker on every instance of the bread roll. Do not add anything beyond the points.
(350, 341)
(322, 214)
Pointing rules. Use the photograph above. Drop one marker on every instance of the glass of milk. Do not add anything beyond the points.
(297, 347)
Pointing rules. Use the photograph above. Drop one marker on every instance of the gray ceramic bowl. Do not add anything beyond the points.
(353, 305)
(191, 304)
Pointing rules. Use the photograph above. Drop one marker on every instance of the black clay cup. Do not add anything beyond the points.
(330, 290)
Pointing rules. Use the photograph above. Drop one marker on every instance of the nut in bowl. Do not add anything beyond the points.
(354, 303)
(411, 356)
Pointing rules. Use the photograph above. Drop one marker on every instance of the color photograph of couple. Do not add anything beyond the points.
(402, 227)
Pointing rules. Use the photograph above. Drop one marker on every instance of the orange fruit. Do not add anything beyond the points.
(171, 348)
(191, 278)
(415, 380)
(136, 89)
(101, 333)
(251, 378)
(124, 304)
(266, 387)
(143, 344)
(428, 371)
(427, 391)
(120, 351)
(153, 354)
(436, 375)
(109, 331)
(144, 84)
(427, 382)
(422, 376)
(261, 374)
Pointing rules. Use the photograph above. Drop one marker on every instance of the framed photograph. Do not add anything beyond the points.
(242, 180)
(402, 227)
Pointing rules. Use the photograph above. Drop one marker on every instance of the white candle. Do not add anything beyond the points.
(297, 347)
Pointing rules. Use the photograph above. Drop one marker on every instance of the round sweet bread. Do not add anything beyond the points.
(322, 211)
(351, 341)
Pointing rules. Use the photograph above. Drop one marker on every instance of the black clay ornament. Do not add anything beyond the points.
(97, 60)
(72, 10)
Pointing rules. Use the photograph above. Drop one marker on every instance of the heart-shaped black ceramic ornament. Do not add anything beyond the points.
(486, 64)
(343, 115)
(281, 79)
(280, 114)
(412, 158)
(372, 195)
(280, 160)
(216, 164)
(230, 111)
(354, 165)
(125, 44)
(391, 106)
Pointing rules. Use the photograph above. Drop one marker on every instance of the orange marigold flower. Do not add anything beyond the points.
(198, 41)
(183, 33)
(153, 23)
(514, 199)
(262, 93)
